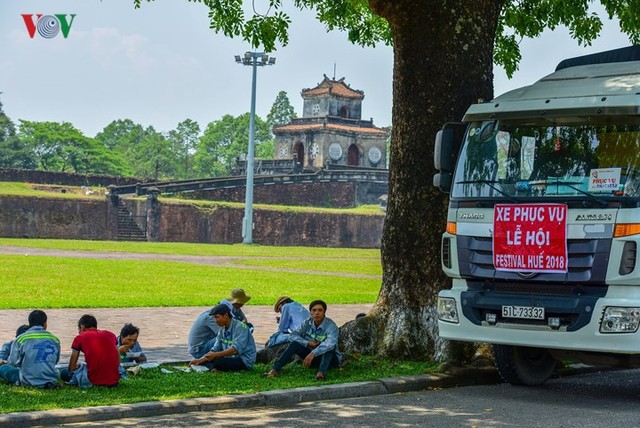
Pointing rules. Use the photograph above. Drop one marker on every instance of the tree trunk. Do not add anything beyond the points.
(442, 64)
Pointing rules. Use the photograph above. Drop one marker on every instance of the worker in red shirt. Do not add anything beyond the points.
(100, 354)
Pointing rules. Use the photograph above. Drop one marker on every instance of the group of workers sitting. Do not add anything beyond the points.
(221, 339)
(31, 358)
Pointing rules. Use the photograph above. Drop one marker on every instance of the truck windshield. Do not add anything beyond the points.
(511, 160)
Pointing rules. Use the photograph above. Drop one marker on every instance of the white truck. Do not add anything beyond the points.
(543, 225)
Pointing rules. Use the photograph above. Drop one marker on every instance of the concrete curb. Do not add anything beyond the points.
(323, 392)
(263, 399)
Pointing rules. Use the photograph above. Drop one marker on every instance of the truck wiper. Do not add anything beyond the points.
(593, 198)
(491, 183)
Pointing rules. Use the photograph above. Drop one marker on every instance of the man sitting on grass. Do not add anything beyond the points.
(128, 346)
(316, 340)
(34, 355)
(204, 329)
(100, 354)
(292, 315)
(5, 351)
(234, 348)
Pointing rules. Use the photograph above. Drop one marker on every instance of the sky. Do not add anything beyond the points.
(161, 64)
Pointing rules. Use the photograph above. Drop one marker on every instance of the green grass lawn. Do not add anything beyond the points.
(153, 385)
(368, 210)
(362, 267)
(75, 282)
(27, 189)
(86, 282)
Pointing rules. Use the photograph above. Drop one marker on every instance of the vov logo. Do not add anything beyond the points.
(48, 26)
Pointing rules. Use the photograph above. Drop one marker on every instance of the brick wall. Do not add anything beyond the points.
(328, 195)
(189, 223)
(28, 217)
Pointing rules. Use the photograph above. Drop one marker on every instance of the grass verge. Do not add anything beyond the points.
(35, 190)
(154, 385)
(360, 267)
(60, 282)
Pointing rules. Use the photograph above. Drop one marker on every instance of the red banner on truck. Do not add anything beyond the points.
(530, 237)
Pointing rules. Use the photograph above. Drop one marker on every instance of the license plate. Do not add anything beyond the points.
(523, 312)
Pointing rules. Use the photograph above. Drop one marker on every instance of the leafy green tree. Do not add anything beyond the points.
(281, 111)
(443, 60)
(121, 135)
(102, 161)
(265, 149)
(61, 147)
(13, 152)
(183, 141)
(148, 154)
(152, 157)
(226, 140)
(45, 140)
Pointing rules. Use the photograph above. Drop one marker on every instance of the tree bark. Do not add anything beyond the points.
(442, 64)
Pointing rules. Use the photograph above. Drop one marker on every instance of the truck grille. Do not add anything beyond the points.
(588, 259)
(516, 288)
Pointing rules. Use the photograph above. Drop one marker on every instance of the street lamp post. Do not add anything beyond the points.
(255, 60)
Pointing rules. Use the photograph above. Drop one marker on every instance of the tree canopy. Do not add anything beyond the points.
(281, 111)
(61, 147)
(127, 148)
(13, 151)
(147, 152)
(183, 142)
(226, 140)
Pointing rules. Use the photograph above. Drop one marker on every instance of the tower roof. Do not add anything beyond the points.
(333, 87)
(324, 126)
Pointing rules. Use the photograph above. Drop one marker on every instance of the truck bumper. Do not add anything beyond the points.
(586, 338)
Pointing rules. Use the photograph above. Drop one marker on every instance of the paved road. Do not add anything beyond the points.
(591, 400)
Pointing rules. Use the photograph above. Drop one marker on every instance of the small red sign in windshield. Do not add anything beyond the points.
(530, 237)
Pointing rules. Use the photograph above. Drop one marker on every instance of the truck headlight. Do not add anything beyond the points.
(447, 309)
(620, 320)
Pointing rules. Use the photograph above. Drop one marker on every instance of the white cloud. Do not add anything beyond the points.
(111, 49)
(139, 53)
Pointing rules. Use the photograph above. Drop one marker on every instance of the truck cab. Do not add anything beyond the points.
(543, 224)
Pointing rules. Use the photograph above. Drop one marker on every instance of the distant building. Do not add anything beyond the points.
(331, 130)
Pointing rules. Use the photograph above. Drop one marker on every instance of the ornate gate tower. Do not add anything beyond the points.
(331, 130)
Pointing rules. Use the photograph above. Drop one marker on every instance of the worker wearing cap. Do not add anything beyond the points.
(204, 330)
(234, 348)
(236, 302)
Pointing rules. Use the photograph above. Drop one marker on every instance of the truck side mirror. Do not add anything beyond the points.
(442, 181)
(445, 154)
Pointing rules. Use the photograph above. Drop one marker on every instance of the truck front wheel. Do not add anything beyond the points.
(519, 365)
